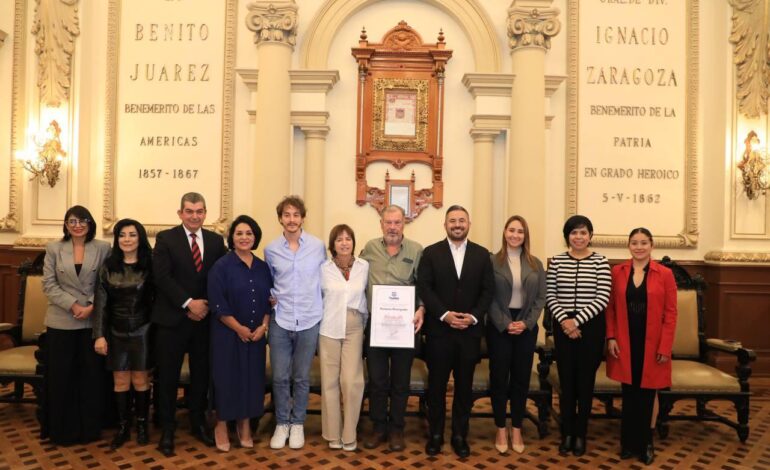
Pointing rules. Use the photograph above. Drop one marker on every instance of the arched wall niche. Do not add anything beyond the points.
(314, 51)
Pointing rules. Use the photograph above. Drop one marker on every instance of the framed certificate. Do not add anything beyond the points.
(400, 113)
(392, 317)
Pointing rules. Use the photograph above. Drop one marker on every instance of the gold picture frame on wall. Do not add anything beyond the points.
(400, 115)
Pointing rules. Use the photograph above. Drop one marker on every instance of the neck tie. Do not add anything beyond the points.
(196, 253)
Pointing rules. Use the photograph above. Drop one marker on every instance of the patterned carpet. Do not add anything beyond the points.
(696, 446)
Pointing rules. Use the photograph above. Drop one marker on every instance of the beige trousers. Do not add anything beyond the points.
(342, 372)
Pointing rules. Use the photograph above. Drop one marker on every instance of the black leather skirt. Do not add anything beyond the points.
(130, 351)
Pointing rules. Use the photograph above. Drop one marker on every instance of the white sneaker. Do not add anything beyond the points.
(296, 436)
(279, 436)
(349, 447)
(336, 445)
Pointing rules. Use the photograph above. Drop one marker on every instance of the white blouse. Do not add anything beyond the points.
(339, 295)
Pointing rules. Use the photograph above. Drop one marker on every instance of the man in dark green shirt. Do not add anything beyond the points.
(393, 261)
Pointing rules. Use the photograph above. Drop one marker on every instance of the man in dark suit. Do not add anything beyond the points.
(181, 261)
(456, 283)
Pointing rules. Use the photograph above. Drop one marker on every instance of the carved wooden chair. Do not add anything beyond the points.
(692, 376)
(19, 365)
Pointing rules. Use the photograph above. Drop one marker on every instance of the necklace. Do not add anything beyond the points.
(345, 269)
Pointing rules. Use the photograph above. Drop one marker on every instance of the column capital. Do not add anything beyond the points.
(315, 132)
(273, 21)
(532, 23)
(484, 135)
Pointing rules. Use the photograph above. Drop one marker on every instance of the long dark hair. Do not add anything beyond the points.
(641, 230)
(114, 262)
(502, 255)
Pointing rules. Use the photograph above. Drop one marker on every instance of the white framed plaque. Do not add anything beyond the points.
(392, 316)
(169, 112)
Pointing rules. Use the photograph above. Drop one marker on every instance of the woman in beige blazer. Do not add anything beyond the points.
(74, 376)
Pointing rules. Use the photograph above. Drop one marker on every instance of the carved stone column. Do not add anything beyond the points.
(483, 146)
(315, 156)
(275, 28)
(531, 24)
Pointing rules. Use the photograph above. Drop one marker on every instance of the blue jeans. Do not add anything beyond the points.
(291, 356)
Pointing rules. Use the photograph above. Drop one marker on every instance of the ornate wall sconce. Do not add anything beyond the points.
(754, 168)
(44, 161)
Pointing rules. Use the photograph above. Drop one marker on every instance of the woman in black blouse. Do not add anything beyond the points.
(122, 324)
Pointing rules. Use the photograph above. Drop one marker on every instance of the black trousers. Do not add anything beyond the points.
(510, 368)
(456, 353)
(577, 361)
(636, 417)
(171, 344)
(390, 372)
(75, 387)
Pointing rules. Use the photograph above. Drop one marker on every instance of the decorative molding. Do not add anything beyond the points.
(529, 26)
(499, 84)
(469, 14)
(273, 22)
(309, 119)
(313, 81)
(489, 84)
(484, 135)
(688, 236)
(12, 220)
(56, 26)
(737, 258)
(751, 55)
(302, 81)
(33, 242)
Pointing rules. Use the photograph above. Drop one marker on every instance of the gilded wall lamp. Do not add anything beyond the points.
(754, 168)
(45, 160)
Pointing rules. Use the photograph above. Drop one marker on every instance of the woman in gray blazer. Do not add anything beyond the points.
(512, 328)
(74, 378)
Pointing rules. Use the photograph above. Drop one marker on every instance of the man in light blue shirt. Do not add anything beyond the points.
(295, 260)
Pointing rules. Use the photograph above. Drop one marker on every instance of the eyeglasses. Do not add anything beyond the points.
(76, 222)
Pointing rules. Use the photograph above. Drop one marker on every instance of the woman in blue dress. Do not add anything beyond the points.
(239, 288)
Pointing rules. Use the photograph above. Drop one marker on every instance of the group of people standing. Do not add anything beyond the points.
(145, 309)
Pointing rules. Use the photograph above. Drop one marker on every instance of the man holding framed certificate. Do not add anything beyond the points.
(396, 316)
(456, 283)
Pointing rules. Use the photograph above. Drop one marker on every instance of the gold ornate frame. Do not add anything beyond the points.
(109, 218)
(688, 236)
(380, 141)
(12, 221)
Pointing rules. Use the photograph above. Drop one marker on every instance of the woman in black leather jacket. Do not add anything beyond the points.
(121, 330)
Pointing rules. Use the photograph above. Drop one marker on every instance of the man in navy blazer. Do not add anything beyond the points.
(181, 312)
(456, 283)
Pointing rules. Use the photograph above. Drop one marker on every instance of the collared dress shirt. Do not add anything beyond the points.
(340, 295)
(296, 281)
(386, 270)
(458, 256)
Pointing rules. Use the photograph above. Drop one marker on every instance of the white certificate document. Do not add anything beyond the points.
(392, 317)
